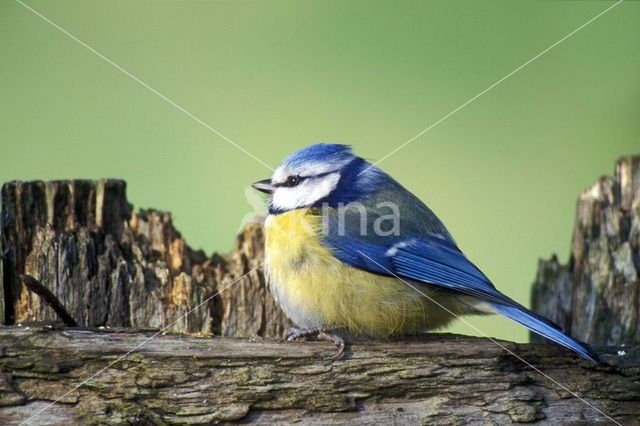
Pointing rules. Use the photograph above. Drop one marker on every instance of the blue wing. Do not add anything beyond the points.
(424, 252)
(422, 249)
(429, 259)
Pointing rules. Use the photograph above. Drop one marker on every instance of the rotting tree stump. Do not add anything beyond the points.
(199, 380)
(112, 266)
(596, 296)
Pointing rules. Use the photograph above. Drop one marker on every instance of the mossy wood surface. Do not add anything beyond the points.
(185, 379)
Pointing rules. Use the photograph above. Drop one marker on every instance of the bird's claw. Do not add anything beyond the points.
(320, 334)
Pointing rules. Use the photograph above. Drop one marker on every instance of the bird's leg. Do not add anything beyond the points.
(318, 333)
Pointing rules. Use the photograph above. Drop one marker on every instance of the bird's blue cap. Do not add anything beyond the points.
(320, 152)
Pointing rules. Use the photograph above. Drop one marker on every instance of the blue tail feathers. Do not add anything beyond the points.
(545, 328)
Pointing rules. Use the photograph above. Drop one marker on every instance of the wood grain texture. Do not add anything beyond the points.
(596, 296)
(195, 380)
(110, 265)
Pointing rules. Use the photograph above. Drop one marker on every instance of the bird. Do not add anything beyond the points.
(350, 252)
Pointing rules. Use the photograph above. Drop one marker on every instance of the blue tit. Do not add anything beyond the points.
(349, 248)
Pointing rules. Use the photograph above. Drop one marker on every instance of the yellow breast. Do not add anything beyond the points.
(316, 289)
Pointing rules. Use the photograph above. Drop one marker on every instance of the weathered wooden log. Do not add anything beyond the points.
(596, 296)
(112, 266)
(183, 379)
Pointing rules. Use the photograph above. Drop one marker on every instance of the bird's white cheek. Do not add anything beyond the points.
(305, 194)
(285, 198)
(317, 189)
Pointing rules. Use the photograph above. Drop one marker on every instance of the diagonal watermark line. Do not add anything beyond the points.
(144, 342)
(494, 341)
(458, 108)
(128, 74)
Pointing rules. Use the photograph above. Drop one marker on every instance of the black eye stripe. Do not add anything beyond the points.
(295, 180)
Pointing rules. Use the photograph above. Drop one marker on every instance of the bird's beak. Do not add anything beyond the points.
(264, 186)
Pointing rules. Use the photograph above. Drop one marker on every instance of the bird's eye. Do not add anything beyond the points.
(293, 180)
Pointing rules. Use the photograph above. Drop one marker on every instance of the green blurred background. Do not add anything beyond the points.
(503, 173)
